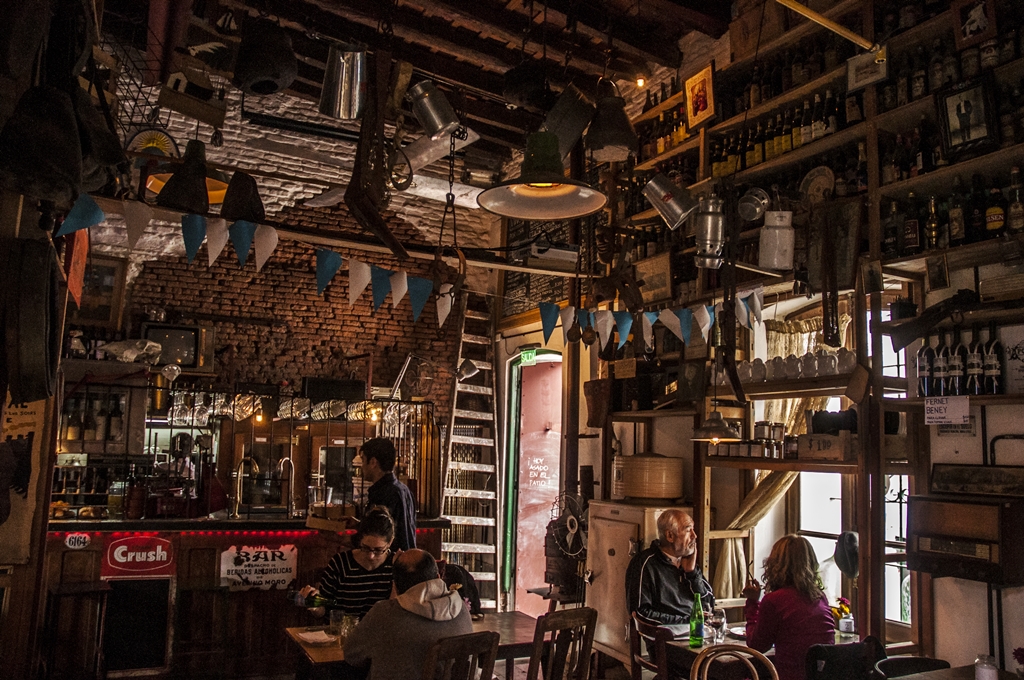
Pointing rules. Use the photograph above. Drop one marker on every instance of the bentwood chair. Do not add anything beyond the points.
(702, 664)
(853, 661)
(567, 650)
(898, 666)
(656, 637)
(457, 658)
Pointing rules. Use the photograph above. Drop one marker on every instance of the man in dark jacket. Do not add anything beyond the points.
(661, 581)
(379, 469)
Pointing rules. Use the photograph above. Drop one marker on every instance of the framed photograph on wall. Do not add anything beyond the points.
(974, 21)
(938, 272)
(700, 96)
(967, 117)
(102, 292)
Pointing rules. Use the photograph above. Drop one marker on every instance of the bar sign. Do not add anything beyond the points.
(947, 411)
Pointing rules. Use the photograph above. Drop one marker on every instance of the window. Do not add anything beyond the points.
(897, 576)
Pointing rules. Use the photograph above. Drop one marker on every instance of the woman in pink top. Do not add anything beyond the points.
(794, 613)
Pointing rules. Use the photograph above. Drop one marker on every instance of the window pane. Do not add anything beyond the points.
(820, 503)
(893, 363)
(897, 592)
(896, 508)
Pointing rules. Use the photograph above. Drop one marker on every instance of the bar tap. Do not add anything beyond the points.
(254, 468)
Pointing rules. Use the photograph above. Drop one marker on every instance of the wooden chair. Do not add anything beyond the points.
(898, 666)
(656, 637)
(567, 652)
(853, 661)
(702, 664)
(457, 658)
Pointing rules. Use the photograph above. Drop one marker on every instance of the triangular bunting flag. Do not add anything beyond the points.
(241, 233)
(399, 287)
(624, 322)
(444, 303)
(381, 281)
(216, 238)
(685, 317)
(648, 320)
(671, 322)
(137, 216)
(756, 303)
(84, 214)
(603, 323)
(548, 319)
(266, 243)
(419, 293)
(328, 263)
(585, 318)
(742, 313)
(193, 231)
(566, 314)
(358, 279)
(702, 315)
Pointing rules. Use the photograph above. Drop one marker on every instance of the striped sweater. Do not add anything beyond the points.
(353, 588)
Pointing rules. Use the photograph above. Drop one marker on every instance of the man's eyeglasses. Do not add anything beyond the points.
(376, 552)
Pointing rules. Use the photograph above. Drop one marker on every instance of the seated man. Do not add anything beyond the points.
(395, 636)
(661, 581)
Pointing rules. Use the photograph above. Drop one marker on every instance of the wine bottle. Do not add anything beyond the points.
(932, 227)
(818, 118)
(74, 431)
(995, 213)
(1015, 209)
(911, 227)
(891, 231)
(648, 103)
(806, 124)
(975, 364)
(957, 226)
(925, 360)
(940, 366)
(976, 224)
(957, 365)
(696, 623)
(755, 87)
(787, 131)
(780, 135)
(769, 140)
(831, 113)
(993, 362)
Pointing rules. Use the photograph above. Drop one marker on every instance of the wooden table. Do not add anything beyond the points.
(681, 658)
(515, 628)
(958, 673)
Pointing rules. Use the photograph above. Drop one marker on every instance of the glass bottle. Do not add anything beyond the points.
(831, 113)
(976, 223)
(806, 124)
(993, 362)
(975, 364)
(911, 227)
(891, 230)
(648, 102)
(784, 143)
(769, 140)
(940, 368)
(903, 82)
(932, 226)
(956, 368)
(862, 168)
(1015, 207)
(660, 137)
(797, 68)
(936, 76)
(697, 623)
(925, 360)
(995, 213)
(919, 75)
(755, 87)
(818, 118)
(957, 226)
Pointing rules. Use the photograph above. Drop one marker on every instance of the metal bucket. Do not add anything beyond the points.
(344, 92)
(673, 203)
(432, 110)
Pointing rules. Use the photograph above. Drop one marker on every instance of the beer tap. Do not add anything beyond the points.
(254, 468)
(291, 483)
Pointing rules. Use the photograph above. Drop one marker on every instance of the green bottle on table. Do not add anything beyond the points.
(697, 623)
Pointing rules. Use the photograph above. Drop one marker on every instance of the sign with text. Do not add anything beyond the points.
(260, 567)
(141, 556)
(947, 411)
(76, 541)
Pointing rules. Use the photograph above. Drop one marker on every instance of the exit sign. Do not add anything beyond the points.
(528, 357)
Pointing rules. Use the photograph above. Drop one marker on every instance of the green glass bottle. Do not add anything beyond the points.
(697, 623)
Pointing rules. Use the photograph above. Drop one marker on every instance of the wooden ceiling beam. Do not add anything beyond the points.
(714, 23)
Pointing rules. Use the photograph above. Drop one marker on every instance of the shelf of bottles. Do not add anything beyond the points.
(954, 363)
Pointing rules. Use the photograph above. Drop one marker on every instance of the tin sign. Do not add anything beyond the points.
(258, 567)
(140, 556)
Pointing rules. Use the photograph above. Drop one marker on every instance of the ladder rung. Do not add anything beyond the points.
(476, 548)
(479, 316)
(484, 575)
(470, 493)
(474, 389)
(476, 339)
(482, 365)
(473, 415)
(470, 467)
(475, 441)
(463, 520)
(488, 604)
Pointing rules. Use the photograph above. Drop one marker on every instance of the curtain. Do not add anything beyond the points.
(784, 338)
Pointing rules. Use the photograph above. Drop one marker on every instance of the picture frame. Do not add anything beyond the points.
(862, 70)
(102, 292)
(871, 276)
(655, 276)
(937, 272)
(974, 22)
(700, 96)
(692, 381)
(967, 117)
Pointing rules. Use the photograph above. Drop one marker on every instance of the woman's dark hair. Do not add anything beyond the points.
(377, 522)
(792, 564)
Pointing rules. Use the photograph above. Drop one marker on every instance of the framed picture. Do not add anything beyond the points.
(692, 383)
(967, 117)
(102, 292)
(700, 97)
(862, 70)
(871, 275)
(974, 21)
(938, 273)
(655, 278)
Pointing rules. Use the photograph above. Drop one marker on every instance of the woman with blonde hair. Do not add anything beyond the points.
(794, 613)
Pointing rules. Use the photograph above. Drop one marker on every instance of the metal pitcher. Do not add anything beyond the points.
(344, 92)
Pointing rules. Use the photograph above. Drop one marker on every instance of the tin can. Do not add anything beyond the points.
(989, 54)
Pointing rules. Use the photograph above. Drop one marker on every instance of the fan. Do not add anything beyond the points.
(568, 526)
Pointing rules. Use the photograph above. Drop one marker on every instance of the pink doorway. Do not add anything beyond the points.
(540, 457)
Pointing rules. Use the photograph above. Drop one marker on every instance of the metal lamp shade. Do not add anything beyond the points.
(242, 200)
(432, 110)
(715, 430)
(344, 92)
(266, 63)
(186, 189)
(542, 191)
(467, 370)
(673, 203)
(710, 229)
(568, 118)
(611, 137)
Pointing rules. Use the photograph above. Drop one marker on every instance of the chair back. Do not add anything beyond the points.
(898, 666)
(702, 664)
(853, 661)
(457, 658)
(565, 638)
(656, 637)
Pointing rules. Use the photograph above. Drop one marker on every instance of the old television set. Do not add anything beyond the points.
(188, 346)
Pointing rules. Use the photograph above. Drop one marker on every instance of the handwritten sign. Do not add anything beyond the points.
(947, 411)
(260, 567)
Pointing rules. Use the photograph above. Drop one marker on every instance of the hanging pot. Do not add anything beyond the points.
(266, 63)
(673, 203)
(432, 110)
(710, 228)
(344, 92)
(776, 246)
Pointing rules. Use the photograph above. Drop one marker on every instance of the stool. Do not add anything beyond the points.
(90, 594)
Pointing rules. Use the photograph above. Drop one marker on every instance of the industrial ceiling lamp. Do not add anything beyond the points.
(344, 92)
(542, 191)
(266, 63)
(432, 110)
(710, 230)
(611, 137)
(673, 203)
(715, 430)
(193, 187)
(467, 370)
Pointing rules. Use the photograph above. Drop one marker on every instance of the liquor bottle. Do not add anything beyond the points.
(995, 213)
(957, 226)
(696, 623)
(1015, 208)
(932, 226)
(993, 362)
(102, 417)
(74, 429)
(903, 82)
(716, 159)
(780, 128)
(892, 228)
(648, 103)
(777, 80)
(89, 422)
(115, 424)
(815, 63)
(769, 140)
(755, 87)
(940, 368)
(659, 136)
(818, 118)
(936, 78)
(786, 139)
(862, 168)
(766, 83)
(957, 366)
(806, 124)
(797, 137)
(976, 223)
(975, 364)
(919, 75)
(925, 360)
(911, 227)
(831, 113)
(797, 68)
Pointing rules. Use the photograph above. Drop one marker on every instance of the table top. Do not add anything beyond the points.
(515, 628)
(958, 673)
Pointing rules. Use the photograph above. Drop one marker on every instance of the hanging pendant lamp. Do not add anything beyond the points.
(242, 200)
(673, 203)
(192, 187)
(715, 430)
(611, 137)
(266, 63)
(542, 191)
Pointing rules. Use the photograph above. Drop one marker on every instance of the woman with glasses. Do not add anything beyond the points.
(357, 579)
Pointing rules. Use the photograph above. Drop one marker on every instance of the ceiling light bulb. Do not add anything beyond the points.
(640, 81)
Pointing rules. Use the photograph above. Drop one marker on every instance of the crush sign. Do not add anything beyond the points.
(141, 556)
(261, 567)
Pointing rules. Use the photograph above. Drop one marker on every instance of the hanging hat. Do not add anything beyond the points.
(185, 190)
(847, 553)
(40, 153)
(242, 200)
(266, 63)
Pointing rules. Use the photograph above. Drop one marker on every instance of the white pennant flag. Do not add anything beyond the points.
(399, 287)
(604, 321)
(703, 319)
(648, 327)
(266, 243)
(567, 314)
(756, 303)
(742, 316)
(216, 238)
(358, 280)
(444, 304)
(671, 322)
(137, 216)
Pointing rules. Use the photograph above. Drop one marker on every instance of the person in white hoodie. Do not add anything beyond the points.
(395, 635)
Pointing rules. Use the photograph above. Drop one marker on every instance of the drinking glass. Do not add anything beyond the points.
(337, 618)
(717, 621)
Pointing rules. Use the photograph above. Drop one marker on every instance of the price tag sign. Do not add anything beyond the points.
(947, 411)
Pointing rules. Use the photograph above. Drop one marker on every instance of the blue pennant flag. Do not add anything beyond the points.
(548, 319)
(419, 293)
(685, 323)
(381, 282)
(193, 231)
(84, 214)
(624, 321)
(584, 318)
(328, 263)
(241, 233)
(711, 313)
(652, 316)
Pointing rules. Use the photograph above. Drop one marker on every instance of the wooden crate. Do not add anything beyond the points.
(841, 447)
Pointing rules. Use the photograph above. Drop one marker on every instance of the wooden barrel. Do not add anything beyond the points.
(647, 475)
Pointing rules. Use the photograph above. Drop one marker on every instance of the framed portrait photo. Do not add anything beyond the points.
(974, 21)
(938, 272)
(700, 96)
(967, 117)
(102, 292)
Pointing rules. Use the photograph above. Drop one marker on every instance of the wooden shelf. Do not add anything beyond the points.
(701, 186)
(821, 386)
(773, 285)
(843, 467)
(903, 117)
(981, 317)
(962, 257)
(939, 181)
(667, 105)
(648, 214)
(982, 400)
(642, 416)
(806, 151)
(690, 144)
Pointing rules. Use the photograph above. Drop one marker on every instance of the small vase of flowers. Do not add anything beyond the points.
(843, 615)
